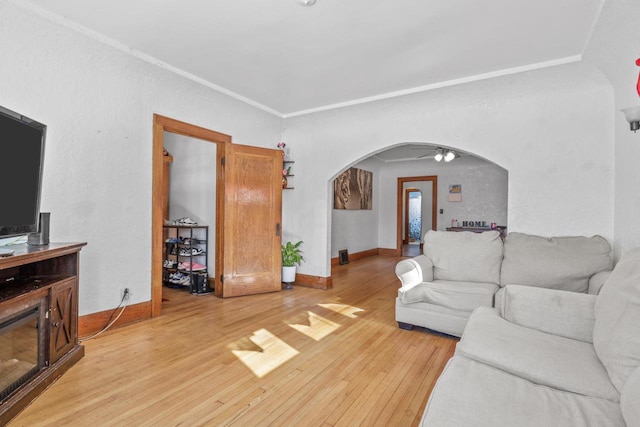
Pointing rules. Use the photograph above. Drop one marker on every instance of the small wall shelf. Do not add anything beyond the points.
(286, 165)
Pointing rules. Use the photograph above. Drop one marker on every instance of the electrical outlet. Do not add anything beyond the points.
(125, 293)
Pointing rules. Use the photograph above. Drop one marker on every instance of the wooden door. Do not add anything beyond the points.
(64, 317)
(253, 208)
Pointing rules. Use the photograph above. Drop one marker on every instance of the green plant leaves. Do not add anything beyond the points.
(291, 254)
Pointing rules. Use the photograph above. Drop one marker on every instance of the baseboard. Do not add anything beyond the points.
(389, 252)
(92, 323)
(315, 282)
(356, 256)
(371, 252)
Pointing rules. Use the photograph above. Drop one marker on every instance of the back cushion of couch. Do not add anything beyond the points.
(564, 263)
(616, 332)
(464, 256)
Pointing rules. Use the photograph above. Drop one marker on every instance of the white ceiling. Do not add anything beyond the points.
(290, 59)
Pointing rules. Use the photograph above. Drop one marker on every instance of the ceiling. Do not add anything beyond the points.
(289, 59)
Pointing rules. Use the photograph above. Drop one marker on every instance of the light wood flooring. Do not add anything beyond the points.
(303, 357)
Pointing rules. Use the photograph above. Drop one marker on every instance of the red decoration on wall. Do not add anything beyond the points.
(638, 84)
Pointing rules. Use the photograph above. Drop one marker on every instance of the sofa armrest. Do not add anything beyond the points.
(564, 313)
(597, 280)
(412, 272)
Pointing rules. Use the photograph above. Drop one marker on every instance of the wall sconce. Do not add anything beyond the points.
(633, 117)
(633, 113)
(446, 155)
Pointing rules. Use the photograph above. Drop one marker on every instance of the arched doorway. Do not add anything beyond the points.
(484, 185)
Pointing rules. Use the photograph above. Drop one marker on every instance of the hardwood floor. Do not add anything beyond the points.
(304, 357)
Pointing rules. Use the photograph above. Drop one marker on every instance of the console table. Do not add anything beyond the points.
(42, 280)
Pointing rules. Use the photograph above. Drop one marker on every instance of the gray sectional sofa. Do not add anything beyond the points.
(546, 358)
(461, 271)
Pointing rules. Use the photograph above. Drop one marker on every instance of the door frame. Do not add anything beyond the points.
(399, 216)
(163, 124)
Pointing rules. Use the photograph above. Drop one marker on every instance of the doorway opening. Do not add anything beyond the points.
(161, 125)
(417, 199)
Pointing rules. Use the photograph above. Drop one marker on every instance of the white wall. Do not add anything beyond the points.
(614, 47)
(484, 193)
(192, 186)
(98, 103)
(548, 128)
(357, 230)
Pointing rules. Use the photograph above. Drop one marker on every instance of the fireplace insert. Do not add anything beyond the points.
(22, 349)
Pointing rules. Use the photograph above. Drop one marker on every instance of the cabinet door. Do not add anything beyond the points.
(64, 308)
(253, 198)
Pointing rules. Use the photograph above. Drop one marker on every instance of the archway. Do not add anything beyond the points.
(484, 197)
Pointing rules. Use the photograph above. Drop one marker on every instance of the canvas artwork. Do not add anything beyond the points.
(353, 189)
(455, 193)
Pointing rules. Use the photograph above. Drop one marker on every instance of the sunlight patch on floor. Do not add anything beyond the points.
(318, 326)
(262, 352)
(344, 309)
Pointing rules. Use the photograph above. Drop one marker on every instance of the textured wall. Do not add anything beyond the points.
(548, 128)
(98, 103)
(614, 47)
(484, 192)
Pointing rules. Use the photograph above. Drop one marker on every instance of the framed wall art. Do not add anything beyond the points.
(353, 189)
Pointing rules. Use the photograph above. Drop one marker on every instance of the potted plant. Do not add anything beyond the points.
(291, 255)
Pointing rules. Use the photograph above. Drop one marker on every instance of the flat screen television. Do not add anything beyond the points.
(21, 158)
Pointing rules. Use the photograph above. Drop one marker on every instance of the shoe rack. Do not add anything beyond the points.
(186, 244)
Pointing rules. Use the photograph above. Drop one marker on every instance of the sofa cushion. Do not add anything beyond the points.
(469, 393)
(539, 357)
(563, 313)
(464, 256)
(464, 296)
(616, 333)
(564, 263)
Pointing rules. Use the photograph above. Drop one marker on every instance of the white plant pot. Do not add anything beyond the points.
(289, 274)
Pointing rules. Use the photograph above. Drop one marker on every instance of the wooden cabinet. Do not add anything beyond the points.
(64, 318)
(39, 284)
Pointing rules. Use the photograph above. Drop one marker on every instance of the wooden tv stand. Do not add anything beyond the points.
(47, 275)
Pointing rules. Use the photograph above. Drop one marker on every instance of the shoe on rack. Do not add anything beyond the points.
(193, 266)
(196, 251)
(185, 221)
(179, 279)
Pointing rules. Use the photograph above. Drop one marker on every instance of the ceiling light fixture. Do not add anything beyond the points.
(306, 2)
(439, 155)
(446, 155)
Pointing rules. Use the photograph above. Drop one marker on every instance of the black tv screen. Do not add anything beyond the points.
(21, 159)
